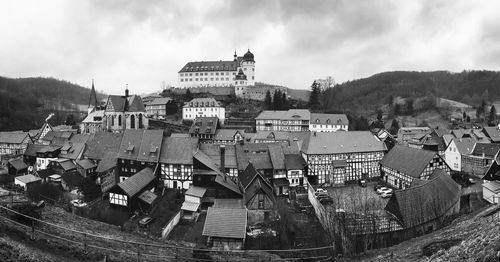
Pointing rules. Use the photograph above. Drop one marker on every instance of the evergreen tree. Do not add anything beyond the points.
(394, 127)
(464, 116)
(268, 101)
(409, 106)
(493, 114)
(284, 102)
(70, 120)
(188, 96)
(314, 97)
(397, 109)
(379, 115)
(277, 104)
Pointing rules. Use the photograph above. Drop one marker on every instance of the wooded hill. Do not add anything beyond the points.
(369, 94)
(26, 102)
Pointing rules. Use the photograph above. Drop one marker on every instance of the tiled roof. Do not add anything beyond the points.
(45, 172)
(102, 143)
(85, 164)
(335, 119)
(464, 145)
(277, 156)
(178, 150)
(228, 203)
(196, 191)
(160, 101)
(132, 103)
(409, 161)
(257, 154)
(72, 150)
(131, 143)
(249, 174)
(220, 178)
(226, 223)
(204, 125)
(213, 151)
(66, 164)
(294, 162)
(341, 142)
(492, 132)
(488, 149)
(150, 146)
(49, 148)
(108, 161)
(134, 184)
(202, 102)
(211, 66)
(14, 137)
(32, 149)
(292, 114)
(228, 134)
(28, 178)
(420, 204)
(18, 164)
(80, 138)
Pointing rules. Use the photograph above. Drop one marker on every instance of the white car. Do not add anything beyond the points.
(386, 194)
(321, 190)
(78, 203)
(381, 190)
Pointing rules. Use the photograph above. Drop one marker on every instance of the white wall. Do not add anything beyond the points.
(190, 113)
(327, 127)
(215, 78)
(453, 157)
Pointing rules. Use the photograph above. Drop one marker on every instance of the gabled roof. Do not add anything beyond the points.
(341, 142)
(228, 134)
(202, 102)
(65, 164)
(211, 66)
(220, 178)
(257, 154)
(108, 161)
(132, 103)
(420, 204)
(134, 184)
(228, 203)
(18, 164)
(28, 178)
(45, 172)
(213, 151)
(294, 162)
(72, 150)
(204, 125)
(13, 137)
(225, 223)
(32, 149)
(409, 161)
(492, 132)
(131, 144)
(277, 156)
(330, 119)
(249, 174)
(160, 101)
(178, 150)
(150, 146)
(102, 143)
(292, 114)
(464, 145)
(49, 148)
(85, 164)
(196, 191)
(488, 149)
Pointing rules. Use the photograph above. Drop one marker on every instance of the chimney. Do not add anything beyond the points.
(126, 91)
(222, 158)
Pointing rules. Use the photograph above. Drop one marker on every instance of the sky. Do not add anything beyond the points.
(143, 44)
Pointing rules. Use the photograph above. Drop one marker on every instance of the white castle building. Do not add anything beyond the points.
(240, 73)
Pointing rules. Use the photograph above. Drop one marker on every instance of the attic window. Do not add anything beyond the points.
(153, 149)
(317, 120)
(209, 130)
(328, 121)
(130, 148)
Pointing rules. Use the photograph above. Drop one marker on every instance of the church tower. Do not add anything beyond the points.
(92, 100)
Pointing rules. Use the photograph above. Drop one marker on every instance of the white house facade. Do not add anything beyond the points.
(203, 107)
(328, 122)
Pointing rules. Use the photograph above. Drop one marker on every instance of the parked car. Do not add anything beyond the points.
(321, 190)
(377, 187)
(362, 183)
(78, 203)
(145, 221)
(382, 189)
(386, 194)
(318, 194)
(326, 200)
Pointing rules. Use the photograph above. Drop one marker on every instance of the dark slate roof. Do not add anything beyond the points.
(80, 138)
(32, 149)
(225, 223)
(292, 114)
(178, 150)
(249, 174)
(202, 102)
(49, 148)
(213, 151)
(102, 143)
(132, 103)
(131, 144)
(220, 178)
(464, 145)
(13, 137)
(488, 149)
(331, 119)
(134, 184)
(108, 161)
(428, 201)
(409, 161)
(228, 203)
(228, 134)
(204, 125)
(160, 101)
(85, 164)
(257, 154)
(72, 150)
(66, 164)
(150, 146)
(72, 178)
(294, 162)
(45, 172)
(493, 133)
(277, 156)
(18, 164)
(211, 66)
(341, 142)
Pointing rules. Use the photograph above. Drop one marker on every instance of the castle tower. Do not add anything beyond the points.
(248, 66)
(241, 83)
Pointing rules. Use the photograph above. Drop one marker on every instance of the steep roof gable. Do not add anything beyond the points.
(408, 160)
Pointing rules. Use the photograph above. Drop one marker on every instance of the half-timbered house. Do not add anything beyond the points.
(176, 161)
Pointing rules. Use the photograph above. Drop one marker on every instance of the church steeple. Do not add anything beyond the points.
(235, 56)
(93, 96)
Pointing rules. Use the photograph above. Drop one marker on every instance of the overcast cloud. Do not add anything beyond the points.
(142, 43)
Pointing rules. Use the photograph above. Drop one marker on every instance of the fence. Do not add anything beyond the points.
(170, 225)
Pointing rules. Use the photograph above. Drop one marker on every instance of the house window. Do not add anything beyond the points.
(118, 199)
(261, 201)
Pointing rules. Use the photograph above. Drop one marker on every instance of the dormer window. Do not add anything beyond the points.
(130, 148)
(328, 121)
(317, 120)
